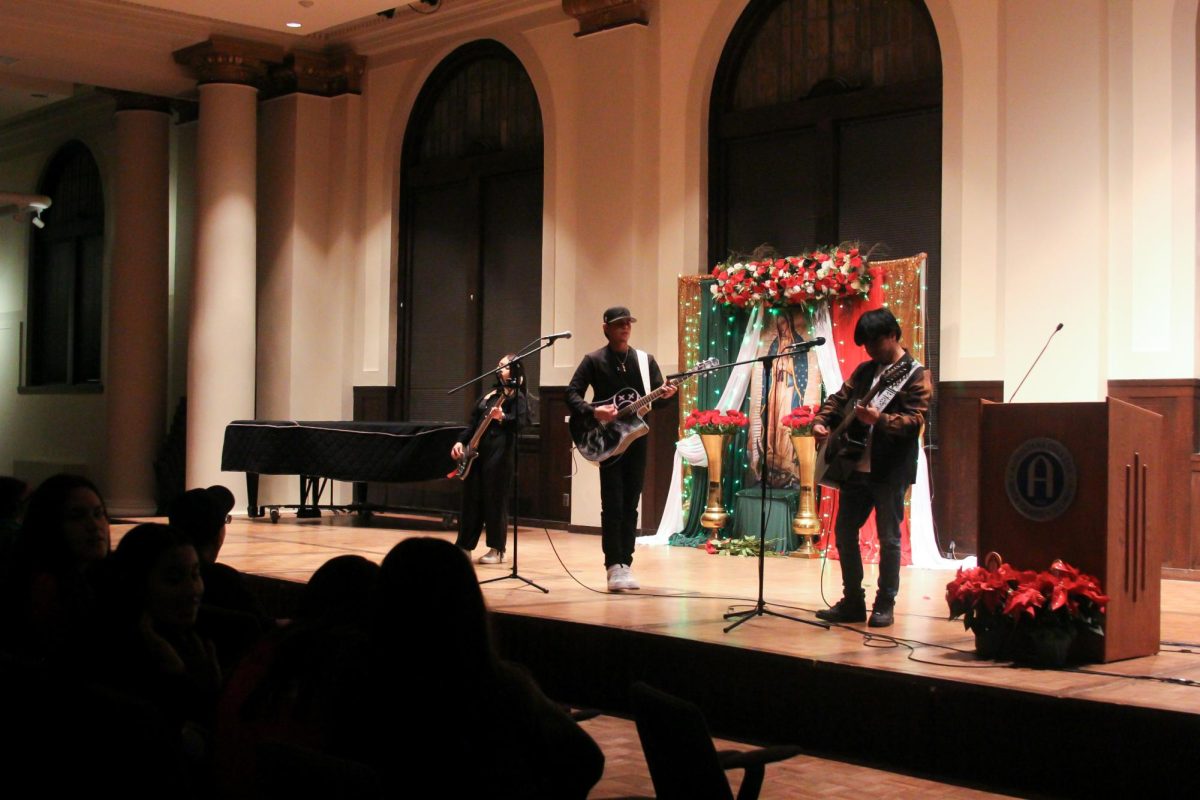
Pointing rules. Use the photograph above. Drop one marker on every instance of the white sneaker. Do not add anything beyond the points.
(616, 573)
(630, 582)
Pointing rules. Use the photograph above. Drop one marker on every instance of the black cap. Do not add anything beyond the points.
(616, 314)
(200, 513)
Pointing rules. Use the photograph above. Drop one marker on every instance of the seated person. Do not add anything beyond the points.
(232, 616)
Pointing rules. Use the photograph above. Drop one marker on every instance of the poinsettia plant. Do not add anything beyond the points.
(826, 273)
(1060, 597)
(800, 420)
(713, 421)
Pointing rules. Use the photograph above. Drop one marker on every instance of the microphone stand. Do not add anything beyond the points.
(760, 606)
(516, 495)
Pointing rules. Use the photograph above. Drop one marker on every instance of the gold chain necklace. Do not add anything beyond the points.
(624, 359)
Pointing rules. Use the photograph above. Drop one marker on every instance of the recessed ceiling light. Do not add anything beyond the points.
(294, 25)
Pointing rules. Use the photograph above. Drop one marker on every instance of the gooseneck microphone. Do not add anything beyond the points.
(553, 336)
(1058, 328)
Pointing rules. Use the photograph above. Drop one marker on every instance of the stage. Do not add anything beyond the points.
(912, 696)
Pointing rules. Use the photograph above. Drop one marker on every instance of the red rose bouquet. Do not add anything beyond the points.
(720, 422)
(800, 420)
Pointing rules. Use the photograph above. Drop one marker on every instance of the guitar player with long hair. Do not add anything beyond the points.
(609, 371)
(886, 399)
(488, 481)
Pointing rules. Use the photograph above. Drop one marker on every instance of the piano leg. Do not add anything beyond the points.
(309, 483)
(252, 508)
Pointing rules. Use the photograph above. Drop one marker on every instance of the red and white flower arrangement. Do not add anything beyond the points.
(824, 274)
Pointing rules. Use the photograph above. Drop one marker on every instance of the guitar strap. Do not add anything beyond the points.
(644, 368)
(880, 401)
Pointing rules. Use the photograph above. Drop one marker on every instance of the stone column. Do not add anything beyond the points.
(221, 335)
(136, 375)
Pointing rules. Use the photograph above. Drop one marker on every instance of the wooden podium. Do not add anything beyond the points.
(1082, 482)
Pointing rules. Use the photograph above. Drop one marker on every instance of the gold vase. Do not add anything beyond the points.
(806, 524)
(714, 516)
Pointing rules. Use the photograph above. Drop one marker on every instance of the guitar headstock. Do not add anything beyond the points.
(707, 363)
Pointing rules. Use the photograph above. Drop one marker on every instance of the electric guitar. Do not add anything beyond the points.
(841, 451)
(597, 441)
(471, 450)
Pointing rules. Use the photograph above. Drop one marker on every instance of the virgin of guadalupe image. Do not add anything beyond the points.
(794, 381)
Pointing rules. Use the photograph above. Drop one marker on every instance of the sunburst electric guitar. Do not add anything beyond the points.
(597, 441)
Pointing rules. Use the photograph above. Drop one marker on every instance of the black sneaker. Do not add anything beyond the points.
(844, 611)
(881, 617)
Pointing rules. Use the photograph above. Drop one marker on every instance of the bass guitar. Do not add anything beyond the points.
(471, 449)
(597, 441)
(838, 456)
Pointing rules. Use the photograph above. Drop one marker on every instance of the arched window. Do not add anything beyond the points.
(826, 127)
(471, 228)
(66, 275)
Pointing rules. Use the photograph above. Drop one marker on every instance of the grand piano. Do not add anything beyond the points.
(345, 451)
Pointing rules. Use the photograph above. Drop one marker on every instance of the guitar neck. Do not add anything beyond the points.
(638, 405)
(487, 420)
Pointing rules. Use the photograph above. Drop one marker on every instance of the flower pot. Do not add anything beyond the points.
(992, 643)
(1042, 646)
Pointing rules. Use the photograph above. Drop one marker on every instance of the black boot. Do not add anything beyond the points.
(845, 610)
(881, 614)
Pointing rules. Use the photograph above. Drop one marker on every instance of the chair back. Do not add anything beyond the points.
(678, 747)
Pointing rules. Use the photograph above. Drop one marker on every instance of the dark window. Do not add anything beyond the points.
(826, 127)
(471, 229)
(66, 275)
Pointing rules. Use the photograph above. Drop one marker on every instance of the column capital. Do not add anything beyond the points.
(136, 101)
(326, 74)
(223, 59)
(600, 15)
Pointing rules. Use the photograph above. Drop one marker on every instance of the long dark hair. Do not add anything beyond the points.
(41, 542)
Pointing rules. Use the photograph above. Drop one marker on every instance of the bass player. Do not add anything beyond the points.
(886, 468)
(487, 485)
(607, 371)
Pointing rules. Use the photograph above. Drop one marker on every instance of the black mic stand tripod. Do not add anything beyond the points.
(760, 606)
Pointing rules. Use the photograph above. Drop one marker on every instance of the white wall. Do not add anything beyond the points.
(53, 430)
(1069, 183)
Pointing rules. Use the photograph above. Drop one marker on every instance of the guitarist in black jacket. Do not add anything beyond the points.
(885, 470)
(609, 370)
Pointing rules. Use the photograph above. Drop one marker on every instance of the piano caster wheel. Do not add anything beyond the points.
(274, 515)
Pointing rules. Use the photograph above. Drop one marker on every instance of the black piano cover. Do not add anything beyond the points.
(344, 451)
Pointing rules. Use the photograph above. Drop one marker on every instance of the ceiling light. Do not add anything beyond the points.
(294, 25)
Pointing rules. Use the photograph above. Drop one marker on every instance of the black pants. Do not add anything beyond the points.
(485, 495)
(859, 496)
(620, 490)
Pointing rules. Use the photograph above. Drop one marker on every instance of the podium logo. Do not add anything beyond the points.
(1040, 479)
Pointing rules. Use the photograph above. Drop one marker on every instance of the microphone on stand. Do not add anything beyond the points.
(563, 335)
(1058, 328)
(800, 347)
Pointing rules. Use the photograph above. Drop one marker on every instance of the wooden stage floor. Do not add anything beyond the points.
(686, 591)
(924, 665)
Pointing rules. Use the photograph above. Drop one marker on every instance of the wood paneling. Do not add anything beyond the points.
(1178, 401)
(954, 464)
(660, 459)
(551, 482)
